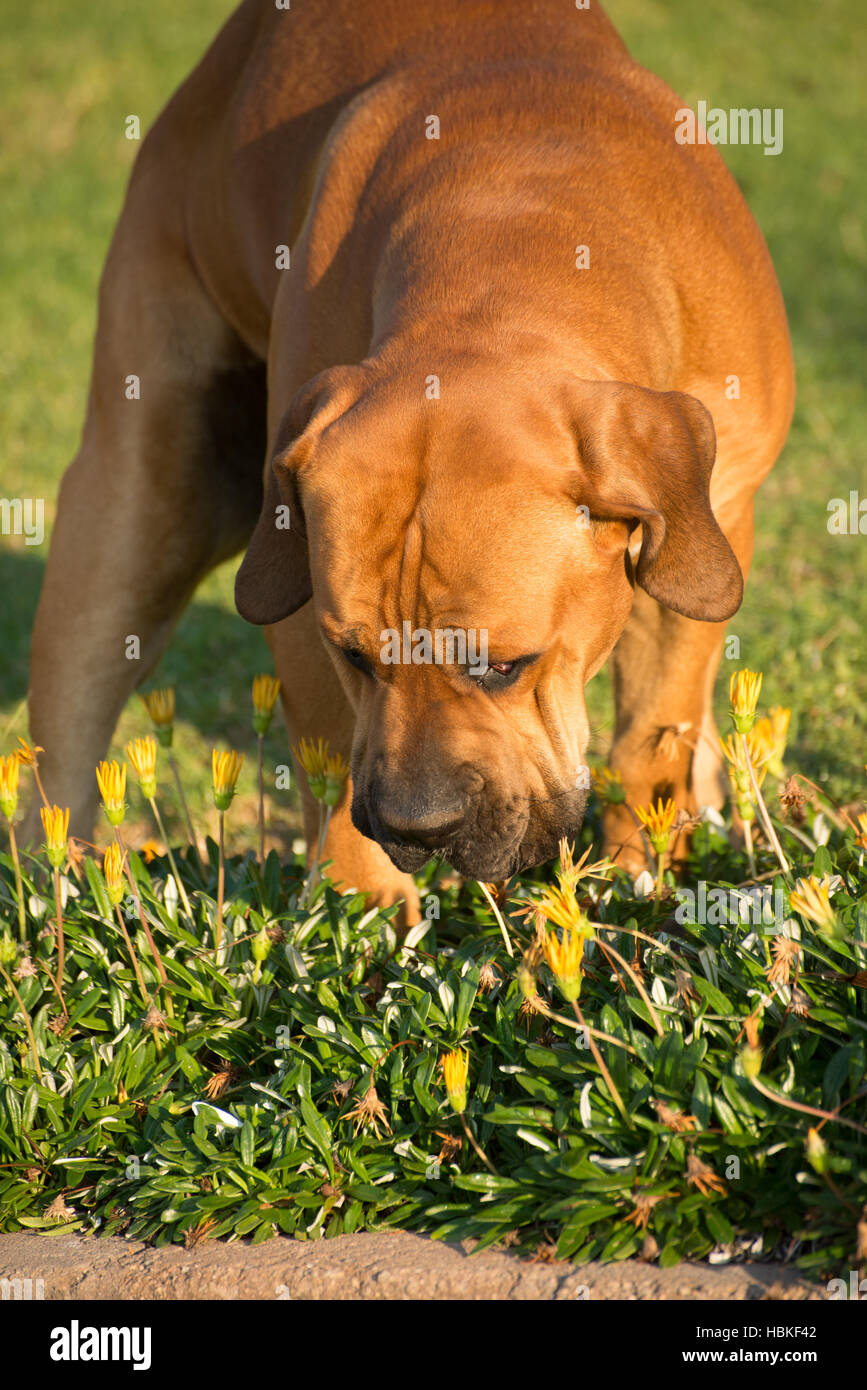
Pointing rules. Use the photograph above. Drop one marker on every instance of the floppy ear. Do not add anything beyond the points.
(646, 456)
(274, 578)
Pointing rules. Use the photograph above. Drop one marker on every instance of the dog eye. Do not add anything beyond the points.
(357, 659)
(499, 675)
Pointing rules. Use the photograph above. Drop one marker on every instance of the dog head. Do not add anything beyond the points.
(469, 562)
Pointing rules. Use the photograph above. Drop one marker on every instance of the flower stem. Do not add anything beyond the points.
(763, 810)
(191, 834)
(19, 887)
(748, 845)
(158, 960)
(61, 943)
(598, 1059)
(133, 957)
(221, 888)
(161, 828)
(27, 1023)
(261, 774)
(477, 1146)
(497, 913)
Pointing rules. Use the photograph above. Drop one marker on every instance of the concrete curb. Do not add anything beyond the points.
(378, 1266)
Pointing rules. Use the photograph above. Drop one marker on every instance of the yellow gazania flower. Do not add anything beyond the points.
(142, 753)
(456, 1066)
(28, 753)
(112, 872)
(265, 692)
(811, 898)
(861, 836)
(744, 689)
(657, 821)
(111, 778)
(9, 770)
(160, 705)
(564, 956)
(55, 823)
(608, 785)
(313, 758)
(226, 768)
(770, 734)
(336, 773)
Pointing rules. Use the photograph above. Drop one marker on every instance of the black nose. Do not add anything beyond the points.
(430, 829)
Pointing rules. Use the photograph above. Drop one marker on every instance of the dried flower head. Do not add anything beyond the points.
(703, 1177)
(370, 1111)
(793, 800)
(674, 1120)
(489, 977)
(28, 753)
(643, 1204)
(154, 1020)
(786, 953)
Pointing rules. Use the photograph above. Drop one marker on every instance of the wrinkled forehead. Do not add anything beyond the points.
(470, 547)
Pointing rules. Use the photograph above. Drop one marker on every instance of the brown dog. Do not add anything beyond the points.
(474, 424)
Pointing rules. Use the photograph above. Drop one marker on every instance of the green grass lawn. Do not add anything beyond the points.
(70, 79)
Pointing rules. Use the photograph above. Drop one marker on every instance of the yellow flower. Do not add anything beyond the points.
(142, 753)
(111, 778)
(55, 823)
(559, 906)
(265, 692)
(657, 821)
(744, 689)
(160, 705)
(456, 1067)
(565, 956)
(226, 768)
(336, 773)
(112, 871)
(9, 770)
(861, 837)
(811, 898)
(770, 734)
(608, 785)
(149, 851)
(313, 758)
